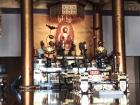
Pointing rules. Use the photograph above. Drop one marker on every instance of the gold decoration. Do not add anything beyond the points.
(66, 11)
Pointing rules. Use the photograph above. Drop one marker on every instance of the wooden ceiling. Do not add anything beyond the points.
(43, 4)
(86, 1)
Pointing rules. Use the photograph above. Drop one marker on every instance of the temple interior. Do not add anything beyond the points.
(69, 52)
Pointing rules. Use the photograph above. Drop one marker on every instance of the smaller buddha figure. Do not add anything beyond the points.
(101, 51)
(42, 50)
(101, 55)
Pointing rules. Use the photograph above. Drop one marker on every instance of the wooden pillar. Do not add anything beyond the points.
(119, 34)
(27, 98)
(27, 43)
(98, 23)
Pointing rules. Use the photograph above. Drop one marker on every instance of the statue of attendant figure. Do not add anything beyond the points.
(101, 55)
(101, 49)
(83, 48)
(73, 48)
(42, 50)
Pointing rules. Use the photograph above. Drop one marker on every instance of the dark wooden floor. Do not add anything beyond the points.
(63, 97)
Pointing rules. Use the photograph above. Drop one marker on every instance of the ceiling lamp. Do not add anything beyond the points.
(69, 11)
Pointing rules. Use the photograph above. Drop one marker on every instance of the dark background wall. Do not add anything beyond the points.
(13, 66)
